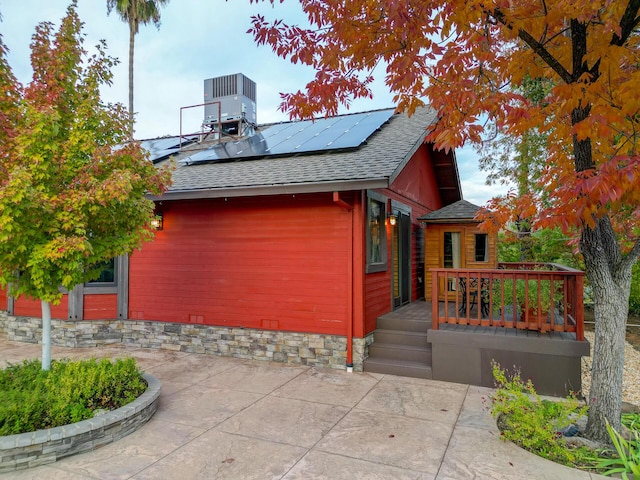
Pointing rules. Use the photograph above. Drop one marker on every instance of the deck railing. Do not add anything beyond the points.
(528, 296)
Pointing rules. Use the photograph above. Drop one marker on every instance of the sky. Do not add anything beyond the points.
(197, 39)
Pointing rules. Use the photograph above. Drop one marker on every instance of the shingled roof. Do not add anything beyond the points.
(375, 164)
(458, 211)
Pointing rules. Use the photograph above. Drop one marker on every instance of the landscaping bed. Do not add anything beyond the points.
(79, 416)
(553, 429)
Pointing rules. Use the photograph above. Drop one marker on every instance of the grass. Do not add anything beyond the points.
(535, 424)
(32, 399)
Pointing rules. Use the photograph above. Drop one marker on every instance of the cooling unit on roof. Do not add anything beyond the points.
(236, 95)
(342, 132)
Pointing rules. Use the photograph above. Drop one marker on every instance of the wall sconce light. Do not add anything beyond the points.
(393, 219)
(158, 221)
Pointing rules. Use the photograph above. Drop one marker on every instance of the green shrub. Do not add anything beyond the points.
(532, 423)
(32, 399)
(634, 296)
(627, 458)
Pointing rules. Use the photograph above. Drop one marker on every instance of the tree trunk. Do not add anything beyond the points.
(46, 335)
(611, 286)
(132, 36)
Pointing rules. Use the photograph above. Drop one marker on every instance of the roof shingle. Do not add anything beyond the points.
(460, 210)
(373, 165)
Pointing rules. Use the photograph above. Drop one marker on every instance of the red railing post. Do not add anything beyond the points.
(557, 286)
(435, 307)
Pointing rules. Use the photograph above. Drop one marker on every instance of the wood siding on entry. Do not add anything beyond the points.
(434, 244)
(277, 263)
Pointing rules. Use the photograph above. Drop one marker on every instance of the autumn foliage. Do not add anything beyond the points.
(468, 60)
(72, 185)
(463, 56)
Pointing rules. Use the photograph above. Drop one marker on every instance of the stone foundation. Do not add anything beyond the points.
(287, 347)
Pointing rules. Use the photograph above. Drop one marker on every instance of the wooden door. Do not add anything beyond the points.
(452, 255)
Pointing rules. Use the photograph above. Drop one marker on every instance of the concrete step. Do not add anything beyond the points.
(399, 323)
(390, 351)
(400, 337)
(397, 367)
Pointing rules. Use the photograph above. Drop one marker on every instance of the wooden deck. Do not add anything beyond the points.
(421, 313)
(405, 343)
(523, 296)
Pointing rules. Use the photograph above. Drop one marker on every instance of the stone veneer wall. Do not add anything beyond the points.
(286, 347)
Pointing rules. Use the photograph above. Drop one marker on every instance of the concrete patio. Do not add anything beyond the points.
(225, 418)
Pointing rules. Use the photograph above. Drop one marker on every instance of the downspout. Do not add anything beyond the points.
(338, 201)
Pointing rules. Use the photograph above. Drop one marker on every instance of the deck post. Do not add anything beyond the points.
(579, 311)
(434, 300)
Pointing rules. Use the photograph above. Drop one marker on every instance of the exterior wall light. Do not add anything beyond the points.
(157, 221)
(393, 219)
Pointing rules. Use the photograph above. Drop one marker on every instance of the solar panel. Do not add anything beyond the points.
(323, 134)
(160, 148)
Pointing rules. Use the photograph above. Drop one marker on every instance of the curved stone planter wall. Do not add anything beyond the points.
(46, 446)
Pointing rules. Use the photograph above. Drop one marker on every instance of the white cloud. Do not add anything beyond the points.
(473, 180)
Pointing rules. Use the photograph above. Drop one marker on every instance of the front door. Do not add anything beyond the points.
(452, 257)
(401, 258)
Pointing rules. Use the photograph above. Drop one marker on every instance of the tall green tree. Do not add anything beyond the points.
(135, 13)
(464, 56)
(519, 160)
(72, 185)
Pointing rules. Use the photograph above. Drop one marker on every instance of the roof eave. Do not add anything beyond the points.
(449, 220)
(262, 190)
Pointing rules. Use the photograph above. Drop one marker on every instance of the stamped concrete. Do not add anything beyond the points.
(222, 418)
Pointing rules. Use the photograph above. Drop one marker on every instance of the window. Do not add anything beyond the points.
(452, 252)
(482, 247)
(107, 275)
(113, 280)
(376, 232)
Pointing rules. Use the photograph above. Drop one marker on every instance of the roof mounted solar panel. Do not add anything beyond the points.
(250, 147)
(160, 148)
(306, 136)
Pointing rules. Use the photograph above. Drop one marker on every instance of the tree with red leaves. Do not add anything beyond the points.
(467, 58)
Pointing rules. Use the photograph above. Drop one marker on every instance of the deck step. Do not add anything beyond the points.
(397, 323)
(400, 337)
(404, 368)
(391, 351)
(400, 345)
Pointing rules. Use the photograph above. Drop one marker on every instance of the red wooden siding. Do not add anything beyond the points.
(264, 262)
(100, 307)
(417, 188)
(417, 182)
(33, 308)
(3, 300)
(378, 299)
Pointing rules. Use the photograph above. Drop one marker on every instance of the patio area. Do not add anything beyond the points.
(226, 418)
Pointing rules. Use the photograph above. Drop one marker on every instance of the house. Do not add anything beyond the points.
(313, 242)
(285, 244)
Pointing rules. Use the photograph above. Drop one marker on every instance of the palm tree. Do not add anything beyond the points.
(136, 12)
